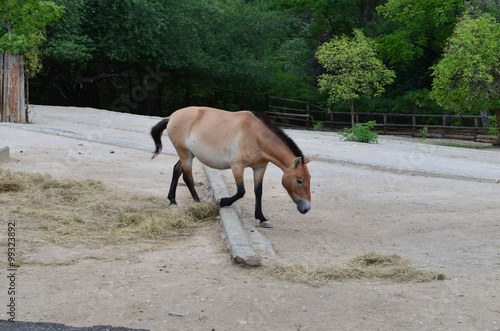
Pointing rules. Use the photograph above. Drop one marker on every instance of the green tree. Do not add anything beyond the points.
(23, 28)
(67, 41)
(410, 37)
(322, 18)
(414, 28)
(353, 69)
(197, 46)
(467, 79)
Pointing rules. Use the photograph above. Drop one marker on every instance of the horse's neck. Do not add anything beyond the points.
(277, 152)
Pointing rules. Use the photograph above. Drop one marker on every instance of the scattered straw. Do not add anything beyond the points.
(369, 266)
(90, 212)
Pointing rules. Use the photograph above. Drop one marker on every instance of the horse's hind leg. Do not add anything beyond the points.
(175, 179)
(187, 176)
(187, 168)
(189, 180)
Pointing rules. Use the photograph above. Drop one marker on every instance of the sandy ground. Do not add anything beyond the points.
(437, 205)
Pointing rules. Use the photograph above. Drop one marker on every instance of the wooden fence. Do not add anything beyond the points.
(12, 89)
(300, 114)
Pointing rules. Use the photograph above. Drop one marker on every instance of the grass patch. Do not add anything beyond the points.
(371, 266)
(90, 212)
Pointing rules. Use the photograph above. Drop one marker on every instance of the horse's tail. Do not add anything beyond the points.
(156, 133)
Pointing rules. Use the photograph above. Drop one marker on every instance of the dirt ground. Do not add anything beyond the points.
(442, 222)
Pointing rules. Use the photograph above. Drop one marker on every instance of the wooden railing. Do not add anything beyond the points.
(300, 114)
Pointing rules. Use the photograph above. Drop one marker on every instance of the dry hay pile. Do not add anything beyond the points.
(369, 266)
(90, 212)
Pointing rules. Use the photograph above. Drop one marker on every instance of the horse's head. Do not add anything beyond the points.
(296, 180)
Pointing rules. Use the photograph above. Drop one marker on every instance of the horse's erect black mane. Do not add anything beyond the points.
(280, 133)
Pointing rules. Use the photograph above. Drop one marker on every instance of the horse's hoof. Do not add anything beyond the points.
(266, 224)
(173, 206)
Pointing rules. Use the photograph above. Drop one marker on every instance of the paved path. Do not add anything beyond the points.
(389, 154)
(393, 154)
(32, 326)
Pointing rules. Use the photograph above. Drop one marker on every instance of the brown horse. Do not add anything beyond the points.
(226, 140)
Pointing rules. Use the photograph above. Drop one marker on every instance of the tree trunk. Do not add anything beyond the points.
(12, 89)
(351, 105)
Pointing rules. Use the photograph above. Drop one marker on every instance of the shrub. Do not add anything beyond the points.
(494, 127)
(360, 133)
(424, 133)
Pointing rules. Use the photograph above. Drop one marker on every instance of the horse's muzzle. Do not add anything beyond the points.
(303, 206)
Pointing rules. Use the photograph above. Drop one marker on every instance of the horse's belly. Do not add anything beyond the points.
(211, 162)
(217, 158)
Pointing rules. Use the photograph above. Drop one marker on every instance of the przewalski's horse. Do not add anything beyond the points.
(226, 140)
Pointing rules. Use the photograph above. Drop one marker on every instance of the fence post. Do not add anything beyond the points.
(12, 89)
(413, 125)
(443, 135)
(307, 113)
(476, 125)
(385, 123)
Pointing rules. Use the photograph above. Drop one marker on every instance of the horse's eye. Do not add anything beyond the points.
(299, 181)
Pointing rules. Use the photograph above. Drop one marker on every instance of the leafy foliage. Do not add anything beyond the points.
(353, 69)
(494, 128)
(414, 27)
(467, 79)
(361, 133)
(158, 55)
(23, 28)
(68, 42)
(196, 46)
(333, 17)
(328, 18)
(424, 132)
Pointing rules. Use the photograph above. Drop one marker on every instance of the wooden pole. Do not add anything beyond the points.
(1, 89)
(12, 103)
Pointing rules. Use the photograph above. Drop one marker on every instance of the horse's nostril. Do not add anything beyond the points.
(303, 206)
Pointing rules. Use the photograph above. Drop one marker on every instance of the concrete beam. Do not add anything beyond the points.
(4, 153)
(237, 242)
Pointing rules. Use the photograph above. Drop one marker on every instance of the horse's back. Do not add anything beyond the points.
(212, 135)
(211, 121)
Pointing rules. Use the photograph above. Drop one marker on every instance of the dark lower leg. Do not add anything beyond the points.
(190, 184)
(175, 179)
(230, 200)
(258, 204)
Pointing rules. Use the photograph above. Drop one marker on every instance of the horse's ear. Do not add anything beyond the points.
(310, 158)
(297, 162)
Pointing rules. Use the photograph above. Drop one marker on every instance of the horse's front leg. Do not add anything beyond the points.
(258, 177)
(240, 187)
